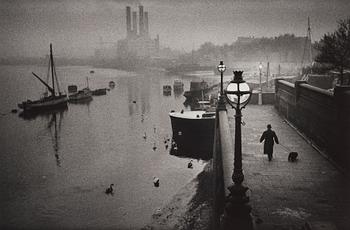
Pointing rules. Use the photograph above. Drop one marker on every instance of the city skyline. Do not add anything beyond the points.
(77, 27)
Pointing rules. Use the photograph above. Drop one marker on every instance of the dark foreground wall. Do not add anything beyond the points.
(322, 116)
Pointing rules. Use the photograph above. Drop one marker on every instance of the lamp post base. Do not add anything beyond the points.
(237, 210)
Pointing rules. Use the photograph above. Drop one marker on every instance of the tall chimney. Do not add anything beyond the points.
(141, 25)
(146, 23)
(128, 21)
(134, 23)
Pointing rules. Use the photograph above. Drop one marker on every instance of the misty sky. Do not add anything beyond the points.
(76, 27)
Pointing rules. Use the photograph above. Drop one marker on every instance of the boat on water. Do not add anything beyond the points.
(98, 92)
(111, 84)
(167, 90)
(49, 101)
(72, 89)
(193, 132)
(82, 95)
(197, 90)
(178, 85)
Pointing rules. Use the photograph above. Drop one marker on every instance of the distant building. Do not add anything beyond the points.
(138, 43)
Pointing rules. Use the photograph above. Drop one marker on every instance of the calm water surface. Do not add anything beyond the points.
(54, 168)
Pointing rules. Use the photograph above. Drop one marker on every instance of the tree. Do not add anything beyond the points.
(335, 48)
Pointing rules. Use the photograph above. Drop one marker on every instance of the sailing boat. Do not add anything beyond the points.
(54, 100)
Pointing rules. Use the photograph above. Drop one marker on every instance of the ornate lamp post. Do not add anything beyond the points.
(221, 68)
(237, 211)
(260, 86)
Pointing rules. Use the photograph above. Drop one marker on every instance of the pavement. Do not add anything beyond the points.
(289, 195)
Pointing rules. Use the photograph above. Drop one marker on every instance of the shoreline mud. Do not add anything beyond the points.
(190, 208)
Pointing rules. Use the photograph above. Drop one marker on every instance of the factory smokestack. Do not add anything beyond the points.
(141, 25)
(134, 23)
(128, 21)
(146, 23)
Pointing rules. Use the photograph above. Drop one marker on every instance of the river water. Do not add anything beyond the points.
(55, 167)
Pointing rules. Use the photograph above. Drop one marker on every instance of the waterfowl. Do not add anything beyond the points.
(144, 136)
(156, 181)
(190, 165)
(110, 189)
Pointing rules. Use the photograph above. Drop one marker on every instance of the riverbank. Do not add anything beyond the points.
(190, 208)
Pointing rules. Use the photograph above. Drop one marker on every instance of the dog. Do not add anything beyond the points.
(292, 156)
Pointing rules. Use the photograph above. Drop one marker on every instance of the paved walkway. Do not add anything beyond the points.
(286, 195)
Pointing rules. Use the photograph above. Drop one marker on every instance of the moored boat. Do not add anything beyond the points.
(82, 95)
(72, 89)
(98, 92)
(166, 90)
(178, 85)
(197, 90)
(111, 84)
(193, 131)
(54, 100)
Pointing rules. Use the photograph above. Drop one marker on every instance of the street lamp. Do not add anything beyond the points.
(237, 211)
(221, 68)
(260, 91)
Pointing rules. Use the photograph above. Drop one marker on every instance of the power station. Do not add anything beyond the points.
(138, 42)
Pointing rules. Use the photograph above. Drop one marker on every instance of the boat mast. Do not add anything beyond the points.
(307, 52)
(52, 71)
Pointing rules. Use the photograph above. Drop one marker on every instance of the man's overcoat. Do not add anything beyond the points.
(269, 136)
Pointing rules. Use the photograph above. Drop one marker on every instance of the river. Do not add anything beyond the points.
(55, 167)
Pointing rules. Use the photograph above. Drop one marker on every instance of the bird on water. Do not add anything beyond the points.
(190, 165)
(110, 189)
(156, 181)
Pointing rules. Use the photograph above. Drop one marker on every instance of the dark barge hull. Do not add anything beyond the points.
(192, 136)
(47, 103)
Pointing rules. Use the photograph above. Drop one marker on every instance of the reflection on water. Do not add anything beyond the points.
(55, 134)
(55, 166)
(55, 119)
(32, 115)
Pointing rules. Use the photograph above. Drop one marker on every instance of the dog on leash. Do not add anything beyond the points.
(292, 156)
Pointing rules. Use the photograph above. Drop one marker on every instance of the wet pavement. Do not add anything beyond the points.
(288, 195)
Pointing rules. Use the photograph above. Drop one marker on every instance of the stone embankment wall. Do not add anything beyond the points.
(321, 115)
(218, 174)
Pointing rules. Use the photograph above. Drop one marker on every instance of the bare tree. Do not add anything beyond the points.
(335, 48)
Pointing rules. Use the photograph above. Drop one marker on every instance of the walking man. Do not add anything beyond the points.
(270, 137)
